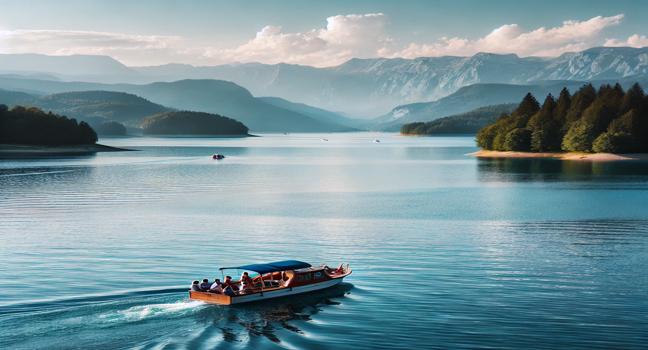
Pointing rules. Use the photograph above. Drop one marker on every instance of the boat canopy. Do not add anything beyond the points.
(271, 267)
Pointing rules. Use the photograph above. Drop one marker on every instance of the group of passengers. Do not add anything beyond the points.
(228, 287)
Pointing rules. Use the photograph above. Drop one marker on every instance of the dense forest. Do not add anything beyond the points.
(464, 123)
(192, 123)
(32, 126)
(607, 120)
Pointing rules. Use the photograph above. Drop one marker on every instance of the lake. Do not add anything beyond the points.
(448, 251)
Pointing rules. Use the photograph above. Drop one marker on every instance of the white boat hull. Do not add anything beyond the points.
(285, 292)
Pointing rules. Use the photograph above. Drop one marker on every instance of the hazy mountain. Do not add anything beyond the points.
(212, 96)
(464, 123)
(361, 87)
(466, 99)
(73, 67)
(13, 98)
(315, 113)
(91, 106)
(372, 86)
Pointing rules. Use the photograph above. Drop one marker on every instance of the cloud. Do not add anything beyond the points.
(66, 42)
(511, 38)
(634, 40)
(344, 37)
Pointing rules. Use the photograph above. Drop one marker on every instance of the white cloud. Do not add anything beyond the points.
(344, 37)
(66, 42)
(634, 40)
(511, 38)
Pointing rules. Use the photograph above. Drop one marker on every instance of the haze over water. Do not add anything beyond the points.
(447, 250)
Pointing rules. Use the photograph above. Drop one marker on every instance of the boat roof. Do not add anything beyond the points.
(272, 266)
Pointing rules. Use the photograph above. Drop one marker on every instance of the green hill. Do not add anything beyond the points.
(464, 123)
(205, 95)
(101, 106)
(32, 126)
(192, 123)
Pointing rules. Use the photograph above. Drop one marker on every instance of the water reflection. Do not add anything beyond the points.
(265, 319)
(553, 170)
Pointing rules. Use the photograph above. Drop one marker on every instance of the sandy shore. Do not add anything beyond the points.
(593, 157)
(19, 151)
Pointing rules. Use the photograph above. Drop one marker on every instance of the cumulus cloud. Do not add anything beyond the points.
(634, 40)
(512, 38)
(344, 37)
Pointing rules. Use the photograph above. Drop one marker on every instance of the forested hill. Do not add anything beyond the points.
(607, 120)
(192, 123)
(464, 123)
(32, 126)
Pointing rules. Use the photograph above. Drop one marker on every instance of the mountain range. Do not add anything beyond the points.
(358, 87)
(130, 103)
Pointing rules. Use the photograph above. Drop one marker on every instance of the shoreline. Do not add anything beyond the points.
(578, 156)
(26, 151)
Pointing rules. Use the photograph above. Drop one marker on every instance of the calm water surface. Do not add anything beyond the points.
(448, 251)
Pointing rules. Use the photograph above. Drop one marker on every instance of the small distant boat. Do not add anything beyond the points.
(276, 279)
(218, 156)
(324, 139)
(376, 141)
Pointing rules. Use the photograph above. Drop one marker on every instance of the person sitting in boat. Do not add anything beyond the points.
(205, 285)
(216, 287)
(229, 283)
(246, 281)
(195, 286)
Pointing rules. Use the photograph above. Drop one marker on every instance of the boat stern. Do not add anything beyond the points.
(211, 298)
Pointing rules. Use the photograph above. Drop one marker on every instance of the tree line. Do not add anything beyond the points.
(32, 126)
(607, 120)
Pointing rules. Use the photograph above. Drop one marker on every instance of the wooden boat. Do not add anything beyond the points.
(277, 279)
(218, 156)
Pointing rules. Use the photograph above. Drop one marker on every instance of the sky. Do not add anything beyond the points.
(316, 33)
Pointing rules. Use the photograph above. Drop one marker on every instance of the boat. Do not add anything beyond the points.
(276, 279)
(376, 141)
(218, 156)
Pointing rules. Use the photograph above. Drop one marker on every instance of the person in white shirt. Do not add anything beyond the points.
(216, 287)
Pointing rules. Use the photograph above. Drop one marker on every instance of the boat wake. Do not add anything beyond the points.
(55, 304)
(141, 312)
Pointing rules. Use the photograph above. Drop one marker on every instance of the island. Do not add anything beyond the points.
(193, 124)
(604, 124)
(33, 132)
(111, 128)
(465, 123)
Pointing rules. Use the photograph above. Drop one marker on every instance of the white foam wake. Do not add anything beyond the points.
(140, 312)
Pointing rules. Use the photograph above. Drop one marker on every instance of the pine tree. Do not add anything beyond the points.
(562, 106)
(528, 107)
(545, 131)
(579, 102)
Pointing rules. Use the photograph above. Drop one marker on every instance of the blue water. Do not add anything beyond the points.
(448, 251)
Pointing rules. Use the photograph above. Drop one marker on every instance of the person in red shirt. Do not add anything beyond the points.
(246, 281)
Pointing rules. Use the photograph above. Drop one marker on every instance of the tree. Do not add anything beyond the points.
(518, 139)
(620, 142)
(562, 106)
(545, 131)
(579, 102)
(579, 138)
(633, 99)
(32, 126)
(528, 107)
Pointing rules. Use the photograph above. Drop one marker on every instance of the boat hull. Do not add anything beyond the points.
(221, 299)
